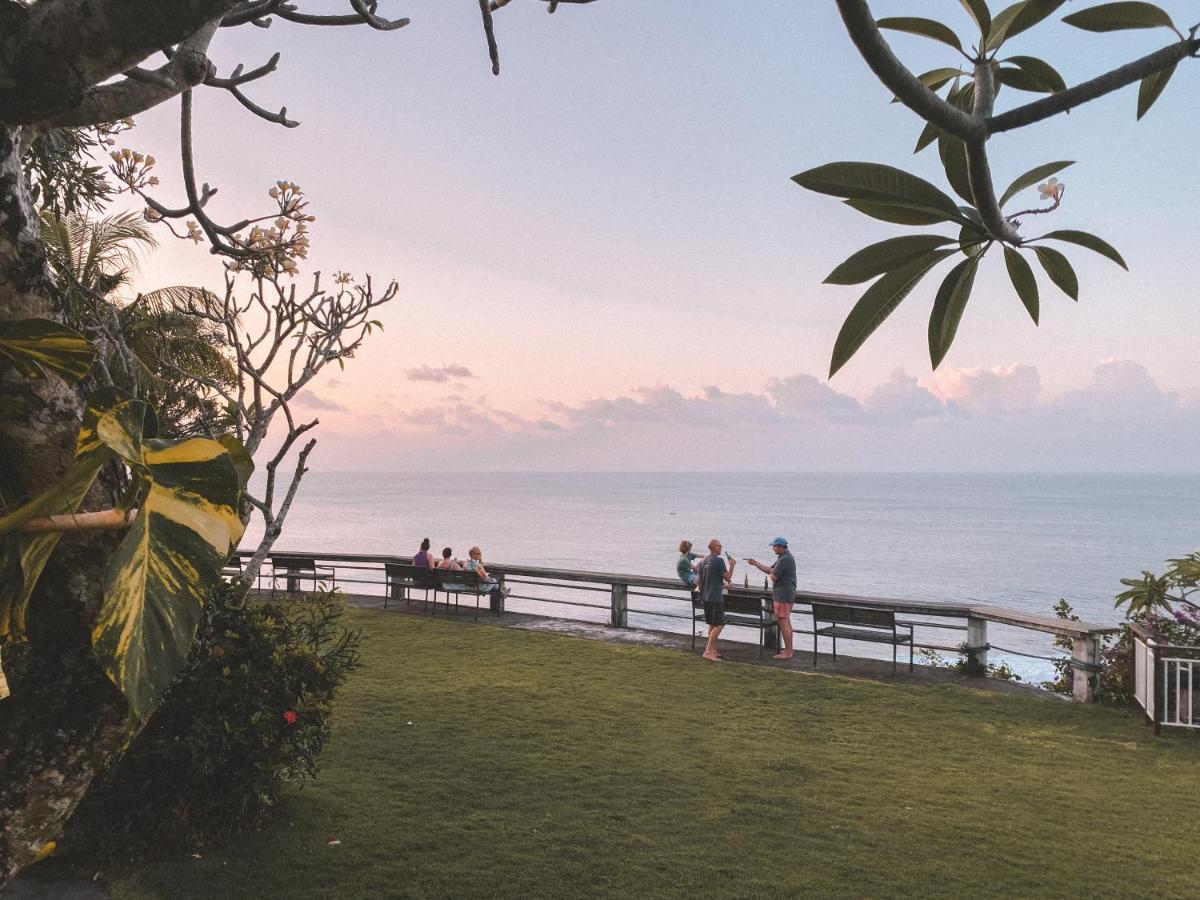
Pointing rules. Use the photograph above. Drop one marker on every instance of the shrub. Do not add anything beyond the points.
(1001, 671)
(1115, 684)
(247, 718)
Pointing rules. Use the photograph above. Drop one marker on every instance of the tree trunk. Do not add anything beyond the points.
(65, 722)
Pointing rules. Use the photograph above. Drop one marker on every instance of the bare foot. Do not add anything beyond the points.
(714, 657)
(784, 654)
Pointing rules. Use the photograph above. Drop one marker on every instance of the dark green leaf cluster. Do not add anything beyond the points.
(221, 752)
(1152, 593)
(882, 192)
(60, 171)
(900, 263)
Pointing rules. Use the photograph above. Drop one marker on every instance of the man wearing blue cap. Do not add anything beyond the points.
(783, 591)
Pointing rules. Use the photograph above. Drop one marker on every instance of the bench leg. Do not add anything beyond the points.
(894, 651)
(835, 648)
(814, 645)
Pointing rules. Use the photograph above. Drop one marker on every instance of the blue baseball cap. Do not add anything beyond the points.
(779, 542)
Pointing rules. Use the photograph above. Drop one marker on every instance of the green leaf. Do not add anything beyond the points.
(935, 79)
(1033, 12)
(978, 11)
(923, 27)
(875, 183)
(1022, 81)
(1058, 267)
(953, 153)
(927, 136)
(885, 256)
(1020, 273)
(880, 299)
(972, 241)
(168, 563)
(1001, 24)
(948, 308)
(1119, 17)
(36, 346)
(1085, 239)
(1150, 89)
(899, 213)
(1040, 71)
(1033, 176)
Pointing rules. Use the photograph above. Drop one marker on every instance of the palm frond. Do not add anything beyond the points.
(180, 298)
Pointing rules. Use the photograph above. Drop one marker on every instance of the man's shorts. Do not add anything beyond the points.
(783, 610)
(714, 613)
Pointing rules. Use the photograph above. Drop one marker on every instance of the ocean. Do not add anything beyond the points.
(1020, 541)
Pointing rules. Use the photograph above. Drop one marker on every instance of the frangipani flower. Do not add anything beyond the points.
(1051, 190)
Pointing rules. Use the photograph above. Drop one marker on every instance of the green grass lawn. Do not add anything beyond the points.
(537, 765)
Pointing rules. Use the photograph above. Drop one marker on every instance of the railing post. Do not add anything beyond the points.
(770, 626)
(497, 600)
(977, 647)
(619, 617)
(1085, 650)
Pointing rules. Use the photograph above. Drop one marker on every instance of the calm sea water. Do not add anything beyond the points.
(1021, 541)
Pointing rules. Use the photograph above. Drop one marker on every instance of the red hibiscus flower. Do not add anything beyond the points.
(290, 717)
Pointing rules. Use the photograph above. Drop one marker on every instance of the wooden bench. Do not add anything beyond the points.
(401, 579)
(294, 568)
(860, 623)
(748, 612)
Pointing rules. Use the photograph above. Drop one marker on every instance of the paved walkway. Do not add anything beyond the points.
(735, 652)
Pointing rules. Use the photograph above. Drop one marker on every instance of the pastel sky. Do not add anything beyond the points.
(603, 263)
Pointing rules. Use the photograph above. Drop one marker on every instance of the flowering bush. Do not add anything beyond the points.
(1163, 603)
(246, 720)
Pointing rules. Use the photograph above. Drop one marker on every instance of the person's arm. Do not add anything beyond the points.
(481, 571)
(769, 570)
(728, 573)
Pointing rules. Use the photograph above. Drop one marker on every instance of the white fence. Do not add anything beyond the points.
(1164, 681)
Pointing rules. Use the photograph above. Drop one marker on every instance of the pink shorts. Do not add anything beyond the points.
(783, 610)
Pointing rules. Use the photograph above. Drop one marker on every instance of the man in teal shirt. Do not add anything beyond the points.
(783, 591)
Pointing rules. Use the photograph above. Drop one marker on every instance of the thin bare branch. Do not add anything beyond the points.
(289, 12)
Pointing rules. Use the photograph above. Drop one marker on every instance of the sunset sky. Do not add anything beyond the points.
(603, 263)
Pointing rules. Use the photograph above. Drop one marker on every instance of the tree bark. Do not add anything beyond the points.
(65, 721)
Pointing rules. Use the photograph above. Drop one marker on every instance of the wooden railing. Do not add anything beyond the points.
(622, 589)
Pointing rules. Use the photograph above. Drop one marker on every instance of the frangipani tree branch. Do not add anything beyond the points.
(897, 77)
(961, 123)
(1064, 101)
(141, 90)
(975, 128)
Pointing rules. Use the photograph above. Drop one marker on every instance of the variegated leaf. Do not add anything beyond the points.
(168, 564)
(37, 346)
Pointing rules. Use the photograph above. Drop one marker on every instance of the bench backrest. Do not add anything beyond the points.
(854, 615)
(418, 575)
(294, 563)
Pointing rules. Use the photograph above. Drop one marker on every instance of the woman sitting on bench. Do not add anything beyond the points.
(447, 562)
